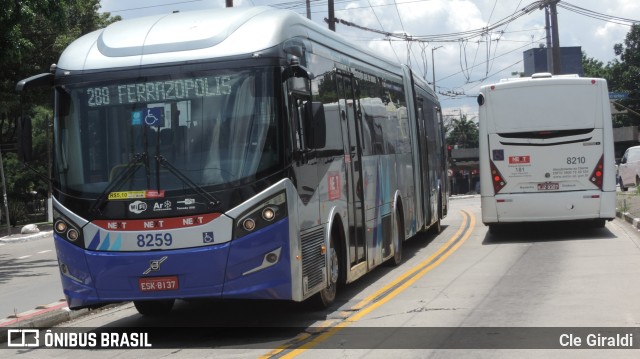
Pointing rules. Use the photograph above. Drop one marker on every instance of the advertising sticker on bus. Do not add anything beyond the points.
(519, 160)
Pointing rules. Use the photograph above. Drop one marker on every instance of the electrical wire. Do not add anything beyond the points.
(456, 36)
(154, 6)
(596, 15)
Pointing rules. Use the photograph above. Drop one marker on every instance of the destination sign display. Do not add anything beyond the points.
(159, 91)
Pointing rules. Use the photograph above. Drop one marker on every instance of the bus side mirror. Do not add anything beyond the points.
(41, 80)
(23, 125)
(315, 124)
(296, 70)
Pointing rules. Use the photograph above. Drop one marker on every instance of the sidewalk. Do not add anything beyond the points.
(628, 207)
(45, 229)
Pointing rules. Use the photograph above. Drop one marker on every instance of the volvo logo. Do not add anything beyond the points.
(154, 265)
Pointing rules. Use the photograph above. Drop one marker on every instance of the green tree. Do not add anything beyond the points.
(594, 68)
(463, 133)
(33, 34)
(622, 74)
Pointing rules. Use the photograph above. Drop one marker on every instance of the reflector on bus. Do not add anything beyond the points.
(597, 175)
(496, 178)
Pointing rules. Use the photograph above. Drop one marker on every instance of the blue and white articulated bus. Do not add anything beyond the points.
(546, 151)
(240, 153)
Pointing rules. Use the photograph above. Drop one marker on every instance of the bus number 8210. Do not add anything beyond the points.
(576, 160)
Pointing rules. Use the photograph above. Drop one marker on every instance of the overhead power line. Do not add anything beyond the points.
(455, 36)
(596, 15)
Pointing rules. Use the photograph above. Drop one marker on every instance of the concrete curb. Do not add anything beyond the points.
(15, 238)
(627, 217)
(46, 316)
(463, 196)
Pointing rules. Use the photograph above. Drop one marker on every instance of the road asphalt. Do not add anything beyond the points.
(52, 314)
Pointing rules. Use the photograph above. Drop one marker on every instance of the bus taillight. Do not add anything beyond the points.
(597, 175)
(496, 178)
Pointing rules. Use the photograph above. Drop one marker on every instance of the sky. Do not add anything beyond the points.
(462, 63)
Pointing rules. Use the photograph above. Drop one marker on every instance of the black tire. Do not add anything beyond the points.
(327, 296)
(436, 227)
(154, 308)
(496, 229)
(398, 241)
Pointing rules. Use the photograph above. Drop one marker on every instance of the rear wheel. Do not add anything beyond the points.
(436, 227)
(154, 308)
(398, 240)
(495, 228)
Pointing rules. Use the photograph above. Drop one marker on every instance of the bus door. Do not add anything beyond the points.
(431, 123)
(353, 168)
(425, 174)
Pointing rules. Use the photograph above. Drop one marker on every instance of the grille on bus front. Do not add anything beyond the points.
(313, 261)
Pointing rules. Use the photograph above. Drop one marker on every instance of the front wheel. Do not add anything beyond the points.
(327, 296)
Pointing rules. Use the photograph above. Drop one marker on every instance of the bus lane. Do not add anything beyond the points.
(272, 329)
(530, 291)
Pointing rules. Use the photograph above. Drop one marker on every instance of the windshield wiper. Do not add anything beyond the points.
(131, 168)
(213, 202)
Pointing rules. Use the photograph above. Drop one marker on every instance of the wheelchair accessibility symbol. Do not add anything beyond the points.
(154, 116)
(207, 237)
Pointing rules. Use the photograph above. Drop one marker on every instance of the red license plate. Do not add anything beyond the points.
(155, 284)
(548, 186)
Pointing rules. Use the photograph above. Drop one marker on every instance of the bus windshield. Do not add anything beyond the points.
(212, 128)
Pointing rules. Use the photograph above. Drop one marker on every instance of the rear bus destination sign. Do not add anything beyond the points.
(158, 91)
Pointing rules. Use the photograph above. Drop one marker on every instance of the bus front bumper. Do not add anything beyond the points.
(235, 269)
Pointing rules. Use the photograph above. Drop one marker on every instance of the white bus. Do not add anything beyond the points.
(546, 150)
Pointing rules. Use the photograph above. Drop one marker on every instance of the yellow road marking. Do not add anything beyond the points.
(368, 304)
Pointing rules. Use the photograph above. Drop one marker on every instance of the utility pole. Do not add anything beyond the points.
(433, 67)
(553, 12)
(4, 196)
(309, 9)
(547, 27)
(332, 16)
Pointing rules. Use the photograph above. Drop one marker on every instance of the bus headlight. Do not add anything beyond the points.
(67, 230)
(261, 215)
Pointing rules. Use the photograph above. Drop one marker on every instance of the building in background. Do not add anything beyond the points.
(536, 60)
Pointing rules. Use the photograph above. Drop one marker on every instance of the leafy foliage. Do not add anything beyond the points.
(463, 133)
(33, 34)
(622, 74)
